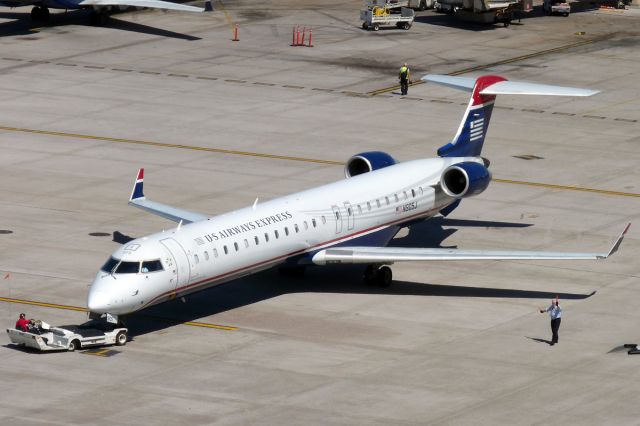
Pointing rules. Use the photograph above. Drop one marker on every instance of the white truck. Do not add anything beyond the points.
(374, 19)
(43, 337)
(559, 7)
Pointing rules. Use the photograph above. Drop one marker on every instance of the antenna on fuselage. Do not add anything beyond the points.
(255, 203)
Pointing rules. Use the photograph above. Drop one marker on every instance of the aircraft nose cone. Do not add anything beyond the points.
(97, 302)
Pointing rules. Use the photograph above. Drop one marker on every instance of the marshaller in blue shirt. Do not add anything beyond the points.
(555, 312)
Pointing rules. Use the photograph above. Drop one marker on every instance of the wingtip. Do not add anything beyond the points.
(616, 245)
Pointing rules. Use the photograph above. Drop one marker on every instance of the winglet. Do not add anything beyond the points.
(137, 192)
(616, 245)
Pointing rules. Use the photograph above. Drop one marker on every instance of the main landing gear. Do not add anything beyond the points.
(40, 13)
(379, 275)
(98, 18)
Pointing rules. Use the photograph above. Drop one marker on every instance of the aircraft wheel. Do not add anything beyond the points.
(370, 275)
(75, 344)
(35, 13)
(98, 18)
(44, 14)
(121, 338)
(385, 276)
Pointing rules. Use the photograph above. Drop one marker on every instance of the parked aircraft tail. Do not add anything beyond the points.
(469, 139)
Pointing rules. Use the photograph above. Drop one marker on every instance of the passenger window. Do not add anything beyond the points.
(235, 245)
(413, 193)
(313, 222)
(324, 220)
(387, 200)
(276, 233)
(266, 237)
(405, 194)
(359, 209)
(246, 243)
(286, 231)
(349, 212)
(397, 199)
(151, 266)
(196, 258)
(226, 250)
(128, 268)
(295, 226)
(368, 205)
(215, 252)
(206, 255)
(378, 203)
(337, 215)
(256, 239)
(421, 191)
(306, 226)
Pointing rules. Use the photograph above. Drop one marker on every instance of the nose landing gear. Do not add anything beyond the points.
(378, 275)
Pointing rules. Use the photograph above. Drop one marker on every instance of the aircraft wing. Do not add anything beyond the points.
(388, 255)
(151, 4)
(175, 214)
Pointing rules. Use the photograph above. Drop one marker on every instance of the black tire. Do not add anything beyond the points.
(365, 26)
(75, 344)
(507, 23)
(423, 5)
(370, 275)
(566, 14)
(376, 27)
(35, 13)
(406, 25)
(44, 14)
(121, 338)
(385, 276)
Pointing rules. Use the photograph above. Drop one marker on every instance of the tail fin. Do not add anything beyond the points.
(475, 122)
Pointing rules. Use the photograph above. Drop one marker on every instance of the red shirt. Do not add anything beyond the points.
(22, 324)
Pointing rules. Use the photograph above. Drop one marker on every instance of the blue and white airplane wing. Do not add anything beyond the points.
(175, 214)
(387, 255)
(151, 4)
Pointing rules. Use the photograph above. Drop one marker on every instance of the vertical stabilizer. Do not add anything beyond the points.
(469, 139)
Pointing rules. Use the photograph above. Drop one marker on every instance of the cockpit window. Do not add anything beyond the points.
(153, 265)
(128, 268)
(109, 265)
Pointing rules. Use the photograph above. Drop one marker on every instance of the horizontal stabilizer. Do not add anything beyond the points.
(508, 87)
(151, 4)
(522, 88)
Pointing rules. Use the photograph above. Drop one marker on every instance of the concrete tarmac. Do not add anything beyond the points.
(217, 123)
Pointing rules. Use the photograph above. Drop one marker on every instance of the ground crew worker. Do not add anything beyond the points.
(405, 77)
(23, 323)
(555, 312)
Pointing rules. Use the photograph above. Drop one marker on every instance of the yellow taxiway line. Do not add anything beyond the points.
(503, 62)
(288, 158)
(80, 309)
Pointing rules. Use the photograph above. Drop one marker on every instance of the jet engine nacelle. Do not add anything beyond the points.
(465, 179)
(367, 162)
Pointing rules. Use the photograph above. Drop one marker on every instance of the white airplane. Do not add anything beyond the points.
(40, 11)
(348, 221)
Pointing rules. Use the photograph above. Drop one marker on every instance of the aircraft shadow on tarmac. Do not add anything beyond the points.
(23, 25)
(337, 279)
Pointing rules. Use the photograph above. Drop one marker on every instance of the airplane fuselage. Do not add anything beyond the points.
(368, 207)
